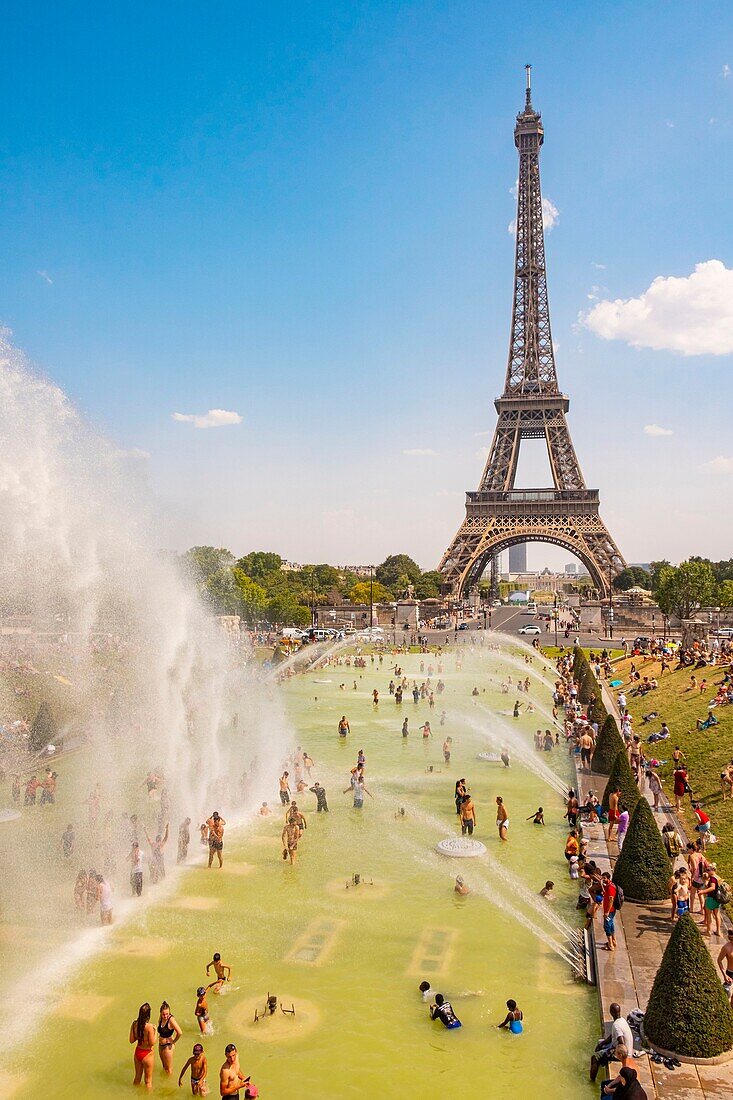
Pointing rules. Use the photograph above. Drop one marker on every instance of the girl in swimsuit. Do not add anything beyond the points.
(142, 1033)
(168, 1035)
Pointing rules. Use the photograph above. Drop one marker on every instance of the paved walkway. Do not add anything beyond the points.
(627, 975)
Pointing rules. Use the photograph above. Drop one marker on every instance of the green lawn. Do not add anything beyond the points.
(552, 651)
(707, 751)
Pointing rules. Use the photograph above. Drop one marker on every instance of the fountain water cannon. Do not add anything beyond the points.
(271, 1006)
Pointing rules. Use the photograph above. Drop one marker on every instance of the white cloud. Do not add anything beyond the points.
(669, 124)
(481, 435)
(420, 452)
(214, 418)
(550, 213)
(482, 453)
(654, 429)
(692, 315)
(725, 72)
(719, 465)
(600, 267)
(46, 277)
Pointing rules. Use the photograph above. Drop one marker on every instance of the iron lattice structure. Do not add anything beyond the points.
(531, 407)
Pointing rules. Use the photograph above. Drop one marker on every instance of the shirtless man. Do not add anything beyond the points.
(502, 817)
(586, 748)
(613, 812)
(290, 837)
(725, 962)
(285, 789)
(215, 825)
(222, 971)
(295, 816)
(231, 1078)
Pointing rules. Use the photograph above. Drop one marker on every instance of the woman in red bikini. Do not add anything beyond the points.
(142, 1033)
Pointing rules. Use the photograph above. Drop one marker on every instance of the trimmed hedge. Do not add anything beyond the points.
(688, 1012)
(622, 776)
(608, 745)
(44, 730)
(643, 866)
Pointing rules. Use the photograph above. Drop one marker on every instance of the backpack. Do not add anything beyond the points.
(619, 900)
(723, 893)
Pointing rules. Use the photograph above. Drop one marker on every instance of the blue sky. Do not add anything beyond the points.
(298, 213)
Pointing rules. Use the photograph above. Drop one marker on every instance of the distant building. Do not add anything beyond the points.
(571, 568)
(518, 558)
(290, 567)
(358, 570)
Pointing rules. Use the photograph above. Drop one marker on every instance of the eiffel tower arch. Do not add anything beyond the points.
(531, 407)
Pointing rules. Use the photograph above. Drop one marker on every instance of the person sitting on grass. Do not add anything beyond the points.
(705, 724)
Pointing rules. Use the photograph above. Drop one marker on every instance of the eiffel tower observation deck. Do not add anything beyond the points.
(531, 407)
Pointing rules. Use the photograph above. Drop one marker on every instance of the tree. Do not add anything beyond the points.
(688, 1012)
(608, 745)
(725, 594)
(283, 609)
(362, 592)
(44, 730)
(259, 563)
(427, 586)
(396, 572)
(630, 577)
(682, 590)
(622, 776)
(643, 866)
(251, 597)
(201, 562)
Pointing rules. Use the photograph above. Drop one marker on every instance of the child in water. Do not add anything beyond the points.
(538, 818)
(201, 1011)
(513, 1019)
(199, 1067)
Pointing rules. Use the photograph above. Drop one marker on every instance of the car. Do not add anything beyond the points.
(464, 626)
(725, 632)
(529, 629)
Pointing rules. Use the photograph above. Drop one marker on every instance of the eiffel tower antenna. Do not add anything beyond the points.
(531, 407)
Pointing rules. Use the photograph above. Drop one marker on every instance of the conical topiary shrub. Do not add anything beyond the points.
(598, 713)
(588, 686)
(44, 730)
(643, 866)
(622, 776)
(608, 745)
(688, 1012)
(580, 664)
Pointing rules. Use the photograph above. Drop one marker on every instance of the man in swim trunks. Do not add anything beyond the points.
(586, 749)
(290, 837)
(231, 1078)
(447, 746)
(215, 825)
(443, 1010)
(285, 788)
(725, 963)
(295, 817)
(222, 971)
(502, 818)
(613, 811)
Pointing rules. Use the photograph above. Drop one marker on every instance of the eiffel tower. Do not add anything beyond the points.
(531, 407)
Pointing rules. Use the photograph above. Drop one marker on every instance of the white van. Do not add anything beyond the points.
(530, 609)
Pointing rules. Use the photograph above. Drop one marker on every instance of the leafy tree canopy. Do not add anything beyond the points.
(362, 591)
(681, 590)
(259, 564)
(632, 576)
(398, 570)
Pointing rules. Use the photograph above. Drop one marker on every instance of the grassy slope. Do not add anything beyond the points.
(707, 752)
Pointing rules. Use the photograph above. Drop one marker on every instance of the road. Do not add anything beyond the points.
(509, 620)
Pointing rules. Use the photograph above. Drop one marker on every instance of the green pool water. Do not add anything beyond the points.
(349, 960)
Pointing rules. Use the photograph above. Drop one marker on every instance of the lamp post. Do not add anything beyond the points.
(554, 617)
(371, 596)
(610, 602)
